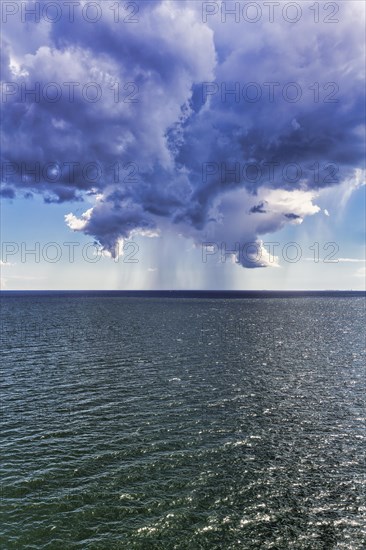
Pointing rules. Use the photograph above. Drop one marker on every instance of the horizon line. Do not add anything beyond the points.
(186, 292)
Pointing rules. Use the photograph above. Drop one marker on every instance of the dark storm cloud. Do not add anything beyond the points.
(292, 216)
(162, 148)
(258, 209)
(7, 193)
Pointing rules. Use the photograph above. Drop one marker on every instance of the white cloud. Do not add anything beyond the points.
(351, 260)
(340, 260)
(296, 202)
(78, 224)
(361, 272)
(5, 264)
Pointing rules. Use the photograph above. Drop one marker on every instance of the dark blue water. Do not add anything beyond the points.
(182, 423)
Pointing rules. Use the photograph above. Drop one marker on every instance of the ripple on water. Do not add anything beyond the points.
(186, 426)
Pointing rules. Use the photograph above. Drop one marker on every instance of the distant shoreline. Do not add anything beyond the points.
(213, 294)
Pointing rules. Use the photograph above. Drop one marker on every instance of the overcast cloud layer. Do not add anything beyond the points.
(187, 156)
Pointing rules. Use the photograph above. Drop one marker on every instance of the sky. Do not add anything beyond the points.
(182, 145)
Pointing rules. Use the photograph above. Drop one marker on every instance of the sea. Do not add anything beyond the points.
(183, 420)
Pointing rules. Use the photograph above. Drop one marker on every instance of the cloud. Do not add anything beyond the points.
(361, 273)
(351, 260)
(234, 230)
(164, 153)
(5, 264)
(7, 193)
(258, 209)
(78, 224)
(342, 261)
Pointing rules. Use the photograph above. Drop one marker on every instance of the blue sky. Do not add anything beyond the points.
(232, 129)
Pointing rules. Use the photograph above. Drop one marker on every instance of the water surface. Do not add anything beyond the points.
(182, 423)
